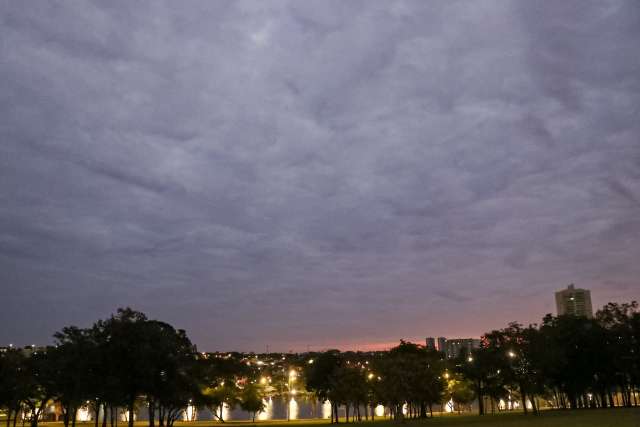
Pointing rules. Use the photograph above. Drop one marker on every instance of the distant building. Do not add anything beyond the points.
(431, 343)
(574, 301)
(454, 347)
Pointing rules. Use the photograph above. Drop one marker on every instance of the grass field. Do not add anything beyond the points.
(583, 418)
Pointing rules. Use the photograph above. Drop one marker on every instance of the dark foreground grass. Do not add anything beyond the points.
(584, 418)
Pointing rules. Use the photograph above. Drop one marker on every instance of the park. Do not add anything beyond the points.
(587, 418)
(131, 370)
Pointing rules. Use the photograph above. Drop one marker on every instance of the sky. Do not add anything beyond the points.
(315, 174)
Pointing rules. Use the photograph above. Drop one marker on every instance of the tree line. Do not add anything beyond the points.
(128, 363)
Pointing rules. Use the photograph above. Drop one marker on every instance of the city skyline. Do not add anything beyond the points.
(439, 342)
(324, 174)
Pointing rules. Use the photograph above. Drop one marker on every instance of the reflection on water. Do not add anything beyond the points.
(267, 414)
(449, 407)
(276, 408)
(293, 409)
(379, 411)
(189, 414)
(83, 415)
(326, 409)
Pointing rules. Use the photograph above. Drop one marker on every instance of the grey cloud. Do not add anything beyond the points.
(361, 170)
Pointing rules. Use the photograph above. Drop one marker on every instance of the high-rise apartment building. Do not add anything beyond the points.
(454, 347)
(430, 343)
(574, 301)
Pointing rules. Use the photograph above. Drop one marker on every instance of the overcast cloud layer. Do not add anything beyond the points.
(315, 173)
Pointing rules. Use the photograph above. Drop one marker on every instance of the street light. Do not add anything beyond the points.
(511, 354)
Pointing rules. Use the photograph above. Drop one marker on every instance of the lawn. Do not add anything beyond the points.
(584, 418)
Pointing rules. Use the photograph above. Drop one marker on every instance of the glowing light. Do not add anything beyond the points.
(310, 362)
(293, 409)
(470, 359)
(292, 374)
(379, 411)
(326, 409)
(511, 354)
(446, 375)
(449, 407)
(263, 380)
(83, 415)
(267, 414)
(370, 376)
(189, 414)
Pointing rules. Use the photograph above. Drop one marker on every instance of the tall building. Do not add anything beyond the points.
(442, 344)
(453, 347)
(574, 301)
(430, 343)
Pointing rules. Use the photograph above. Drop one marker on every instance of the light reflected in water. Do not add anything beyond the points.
(293, 409)
(83, 415)
(225, 412)
(326, 409)
(124, 416)
(449, 407)
(267, 414)
(189, 414)
(379, 411)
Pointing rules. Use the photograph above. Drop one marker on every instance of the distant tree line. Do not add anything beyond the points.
(128, 362)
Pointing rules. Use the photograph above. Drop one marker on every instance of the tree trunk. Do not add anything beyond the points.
(74, 414)
(480, 398)
(96, 411)
(130, 410)
(65, 416)
(152, 413)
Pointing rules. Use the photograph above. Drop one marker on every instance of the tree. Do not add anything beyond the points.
(226, 393)
(321, 379)
(460, 390)
(38, 383)
(73, 374)
(14, 383)
(412, 375)
(251, 400)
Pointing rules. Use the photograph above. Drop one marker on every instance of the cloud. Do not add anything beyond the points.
(292, 172)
